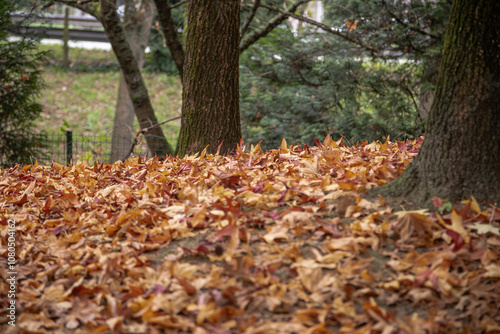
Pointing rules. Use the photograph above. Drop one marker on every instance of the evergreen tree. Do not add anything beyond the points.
(20, 83)
(365, 71)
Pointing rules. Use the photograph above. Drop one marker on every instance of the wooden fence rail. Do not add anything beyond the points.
(81, 28)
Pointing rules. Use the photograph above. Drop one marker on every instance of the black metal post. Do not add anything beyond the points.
(69, 147)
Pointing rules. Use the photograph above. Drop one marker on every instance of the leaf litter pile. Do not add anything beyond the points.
(283, 241)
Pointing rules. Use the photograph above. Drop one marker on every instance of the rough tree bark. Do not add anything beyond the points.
(155, 138)
(461, 152)
(210, 101)
(137, 26)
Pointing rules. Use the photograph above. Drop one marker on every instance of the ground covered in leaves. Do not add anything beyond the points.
(283, 241)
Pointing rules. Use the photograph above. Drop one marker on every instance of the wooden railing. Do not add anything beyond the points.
(81, 28)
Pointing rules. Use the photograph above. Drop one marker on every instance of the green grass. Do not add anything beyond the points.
(87, 100)
(81, 60)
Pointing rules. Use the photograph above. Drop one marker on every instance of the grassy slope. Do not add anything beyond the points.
(87, 100)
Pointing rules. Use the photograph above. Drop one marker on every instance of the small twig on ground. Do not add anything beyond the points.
(143, 131)
(347, 140)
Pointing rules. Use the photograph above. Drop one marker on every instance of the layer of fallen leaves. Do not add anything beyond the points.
(260, 242)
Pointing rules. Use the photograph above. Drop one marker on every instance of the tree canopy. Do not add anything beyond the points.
(364, 73)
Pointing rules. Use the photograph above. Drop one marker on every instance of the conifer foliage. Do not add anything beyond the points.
(20, 83)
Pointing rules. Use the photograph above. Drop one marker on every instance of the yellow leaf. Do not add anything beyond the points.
(457, 226)
(202, 154)
(383, 147)
(114, 322)
(56, 165)
(255, 148)
(283, 148)
(199, 216)
(401, 214)
(310, 278)
(485, 229)
(106, 191)
(392, 285)
(474, 205)
(77, 269)
(345, 308)
(54, 292)
(492, 270)
(351, 25)
(277, 232)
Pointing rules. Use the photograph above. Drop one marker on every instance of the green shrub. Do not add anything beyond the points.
(300, 87)
(20, 83)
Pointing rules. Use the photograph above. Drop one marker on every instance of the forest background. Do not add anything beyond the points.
(368, 77)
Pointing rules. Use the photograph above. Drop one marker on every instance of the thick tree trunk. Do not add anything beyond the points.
(137, 28)
(461, 152)
(210, 101)
(170, 34)
(155, 138)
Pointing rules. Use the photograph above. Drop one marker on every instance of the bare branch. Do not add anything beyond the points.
(273, 23)
(47, 5)
(249, 18)
(170, 34)
(87, 6)
(326, 28)
(416, 29)
(143, 131)
(410, 93)
(179, 4)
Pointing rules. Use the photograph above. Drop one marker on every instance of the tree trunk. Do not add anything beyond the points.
(123, 125)
(155, 138)
(170, 34)
(461, 152)
(137, 28)
(210, 101)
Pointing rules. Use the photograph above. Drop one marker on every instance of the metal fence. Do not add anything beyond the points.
(68, 147)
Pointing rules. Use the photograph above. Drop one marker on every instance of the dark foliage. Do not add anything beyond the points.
(159, 58)
(304, 82)
(20, 83)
